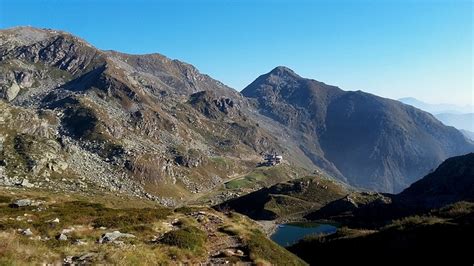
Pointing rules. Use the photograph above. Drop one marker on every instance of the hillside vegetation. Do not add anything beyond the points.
(58, 228)
(289, 199)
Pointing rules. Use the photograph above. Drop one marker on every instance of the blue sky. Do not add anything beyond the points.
(392, 48)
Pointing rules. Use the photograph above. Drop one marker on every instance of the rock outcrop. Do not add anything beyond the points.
(112, 236)
(11, 92)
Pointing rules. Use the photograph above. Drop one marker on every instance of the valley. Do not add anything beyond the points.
(114, 158)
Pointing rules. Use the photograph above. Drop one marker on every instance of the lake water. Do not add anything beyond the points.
(288, 234)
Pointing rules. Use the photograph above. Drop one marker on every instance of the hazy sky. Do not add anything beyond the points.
(401, 48)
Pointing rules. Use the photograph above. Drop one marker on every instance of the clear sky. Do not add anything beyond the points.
(392, 48)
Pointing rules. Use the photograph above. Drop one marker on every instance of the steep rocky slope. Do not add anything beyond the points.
(140, 124)
(365, 140)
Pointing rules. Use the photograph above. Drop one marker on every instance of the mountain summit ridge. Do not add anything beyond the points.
(366, 140)
(169, 131)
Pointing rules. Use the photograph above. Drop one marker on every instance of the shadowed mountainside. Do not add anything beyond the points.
(367, 141)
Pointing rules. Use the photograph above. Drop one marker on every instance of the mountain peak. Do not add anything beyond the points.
(27, 35)
(283, 71)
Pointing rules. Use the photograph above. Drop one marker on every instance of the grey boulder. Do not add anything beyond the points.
(109, 237)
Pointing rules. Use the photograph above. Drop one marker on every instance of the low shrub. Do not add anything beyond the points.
(189, 237)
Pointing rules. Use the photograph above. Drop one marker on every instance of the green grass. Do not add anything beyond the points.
(263, 250)
(283, 205)
(258, 176)
(292, 199)
(239, 183)
(186, 243)
(265, 176)
(221, 162)
(130, 217)
(455, 210)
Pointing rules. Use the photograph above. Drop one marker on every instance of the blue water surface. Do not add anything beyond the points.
(288, 234)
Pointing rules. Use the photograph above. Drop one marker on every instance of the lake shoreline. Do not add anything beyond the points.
(268, 227)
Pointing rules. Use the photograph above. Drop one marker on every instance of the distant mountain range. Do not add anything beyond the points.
(460, 121)
(157, 128)
(460, 117)
(437, 108)
(468, 134)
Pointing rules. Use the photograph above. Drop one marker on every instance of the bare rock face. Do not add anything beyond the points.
(112, 236)
(26, 183)
(57, 166)
(24, 79)
(26, 232)
(12, 91)
(62, 237)
(212, 106)
(22, 203)
(52, 48)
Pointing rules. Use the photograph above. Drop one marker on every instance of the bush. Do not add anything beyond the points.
(187, 238)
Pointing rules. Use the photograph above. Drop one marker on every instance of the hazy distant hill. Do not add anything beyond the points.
(459, 121)
(468, 134)
(437, 108)
(460, 117)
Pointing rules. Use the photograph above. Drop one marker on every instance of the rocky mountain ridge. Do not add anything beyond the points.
(153, 127)
(365, 140)
(158, 124)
